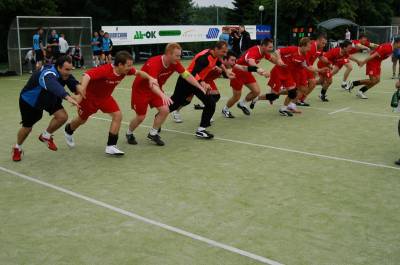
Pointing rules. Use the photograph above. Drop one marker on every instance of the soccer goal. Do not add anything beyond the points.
(77, 30)
(380, 34)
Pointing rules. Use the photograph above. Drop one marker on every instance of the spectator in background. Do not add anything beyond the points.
(96, 49)
(77, 58)
(235, 41)
(395, 59)
(53, 43)
(226, 36)
(30, 60)
(64, 47)
(107, 46)
(348, 34)
(49, 57)
(38, 47)
(245, 40)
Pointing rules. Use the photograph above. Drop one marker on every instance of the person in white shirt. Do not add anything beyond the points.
(348, 34)
(30, 60)
(64, 47)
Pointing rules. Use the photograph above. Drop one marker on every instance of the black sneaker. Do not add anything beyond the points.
(285, 113)
(198, 106)
(323, 98)
(397, 162)
(253, 104)
(302, 104)
(131, 139)
(156, 139)
(227, 114)
(159, 130)
(204, 134)
(245, 110)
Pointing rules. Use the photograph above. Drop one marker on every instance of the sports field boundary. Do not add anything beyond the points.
(273, 147)
(143, 219)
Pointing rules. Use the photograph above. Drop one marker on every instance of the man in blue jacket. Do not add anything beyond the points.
(45, 91)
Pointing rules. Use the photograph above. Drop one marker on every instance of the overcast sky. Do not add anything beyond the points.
(227, 3)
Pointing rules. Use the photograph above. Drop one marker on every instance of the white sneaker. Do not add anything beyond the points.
(69, 139)
(361, 95)
(176, 116)
(113, 150)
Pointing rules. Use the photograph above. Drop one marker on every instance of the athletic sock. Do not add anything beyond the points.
(323, 92)
(364, 89)
(68, 129)
(344, 83)
(225, 108)
(153, 132)
(19, 147)
(201, 129)
(112, 139)
(283, 108)
(242, 103)
(46, 135)
(129, 132)
(356, 83)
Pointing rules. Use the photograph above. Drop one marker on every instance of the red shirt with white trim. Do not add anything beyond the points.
(253, 53)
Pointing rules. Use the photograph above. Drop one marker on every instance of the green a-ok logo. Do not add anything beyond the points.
(139, 35)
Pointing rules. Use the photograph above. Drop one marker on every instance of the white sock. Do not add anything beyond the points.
(201, 129)
(283, 108)
(46, 135)
(292, 105)
(344, 82)
(129, 132)
(18, 146)
(226, 108)
(153, 131)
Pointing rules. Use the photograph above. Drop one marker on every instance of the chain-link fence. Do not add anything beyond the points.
(379, 34)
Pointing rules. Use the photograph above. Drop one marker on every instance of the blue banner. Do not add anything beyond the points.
(263, 31)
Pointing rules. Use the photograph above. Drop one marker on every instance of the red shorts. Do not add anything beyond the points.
(142, 98)
(310, 75)
(91, 105)
(341, 63)
(212, 84)
(326, 74)
(300, 77)
(373, 68)
(280, 79)
(242, 78)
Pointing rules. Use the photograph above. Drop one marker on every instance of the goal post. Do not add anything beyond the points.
(77, 30)
(380, 34)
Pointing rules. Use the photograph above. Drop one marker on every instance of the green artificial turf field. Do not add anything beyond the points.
(319, 188)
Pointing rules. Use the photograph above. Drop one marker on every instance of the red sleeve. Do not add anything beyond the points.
(179, 68)
(97, 73)
(132, 71)
(252, 54)
(381, 50)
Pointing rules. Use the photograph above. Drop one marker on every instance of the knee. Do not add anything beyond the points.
(256, 91)
(163, 111)
(62, 117)
(140, 118)
(216, 97)
(236, 96)
(117, 116)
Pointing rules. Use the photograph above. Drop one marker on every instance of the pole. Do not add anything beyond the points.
(276, 24)
(217, 16)
(261, 21)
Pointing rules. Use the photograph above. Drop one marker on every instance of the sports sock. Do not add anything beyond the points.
(323, 92)
(68, 129)
(356, 83)
(201, 129)
(344, 83)
(242, 103)
(283, 108)
(112, 139)
(153, 131)
(364, 89)
(129, 132)
(18, 146)
(46, 135)
(225, 108)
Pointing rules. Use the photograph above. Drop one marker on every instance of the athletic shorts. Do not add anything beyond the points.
(281, 79)
(97, 53)
(39, 55)
(310, 75)
(31, 115)
(90, 106)
(106, 53)
(326, 74)
(242, 78)
(373, 68)
(341, 63)
(212, 85)
(142, 98)
(301, 78)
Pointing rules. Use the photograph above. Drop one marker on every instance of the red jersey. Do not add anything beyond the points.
(335, 57)
(292, 57)
(384, 50)
(253, 53)
(103, 81)
(314, 53)
(155, 68)
(355, 49)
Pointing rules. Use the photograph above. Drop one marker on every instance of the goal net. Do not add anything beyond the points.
(379, 34)
(77, 30)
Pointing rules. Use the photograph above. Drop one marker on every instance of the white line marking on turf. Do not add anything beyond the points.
(144, 219)
(274, 147)
(339, 110)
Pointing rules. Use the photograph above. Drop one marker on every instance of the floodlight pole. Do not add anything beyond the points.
(217, 15)
(276, 24)
(19, 48)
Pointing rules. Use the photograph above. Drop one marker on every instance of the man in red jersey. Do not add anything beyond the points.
(373, 70)
(358, 45)
(307, 82)
(252, 57)
(161, 68)
(334, 58)
(282, 80)
(98, 85)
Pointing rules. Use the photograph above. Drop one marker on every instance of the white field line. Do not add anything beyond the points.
(144, 219)
(275, 148)
(339, 110)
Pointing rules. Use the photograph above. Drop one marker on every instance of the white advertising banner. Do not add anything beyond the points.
(137, 35)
